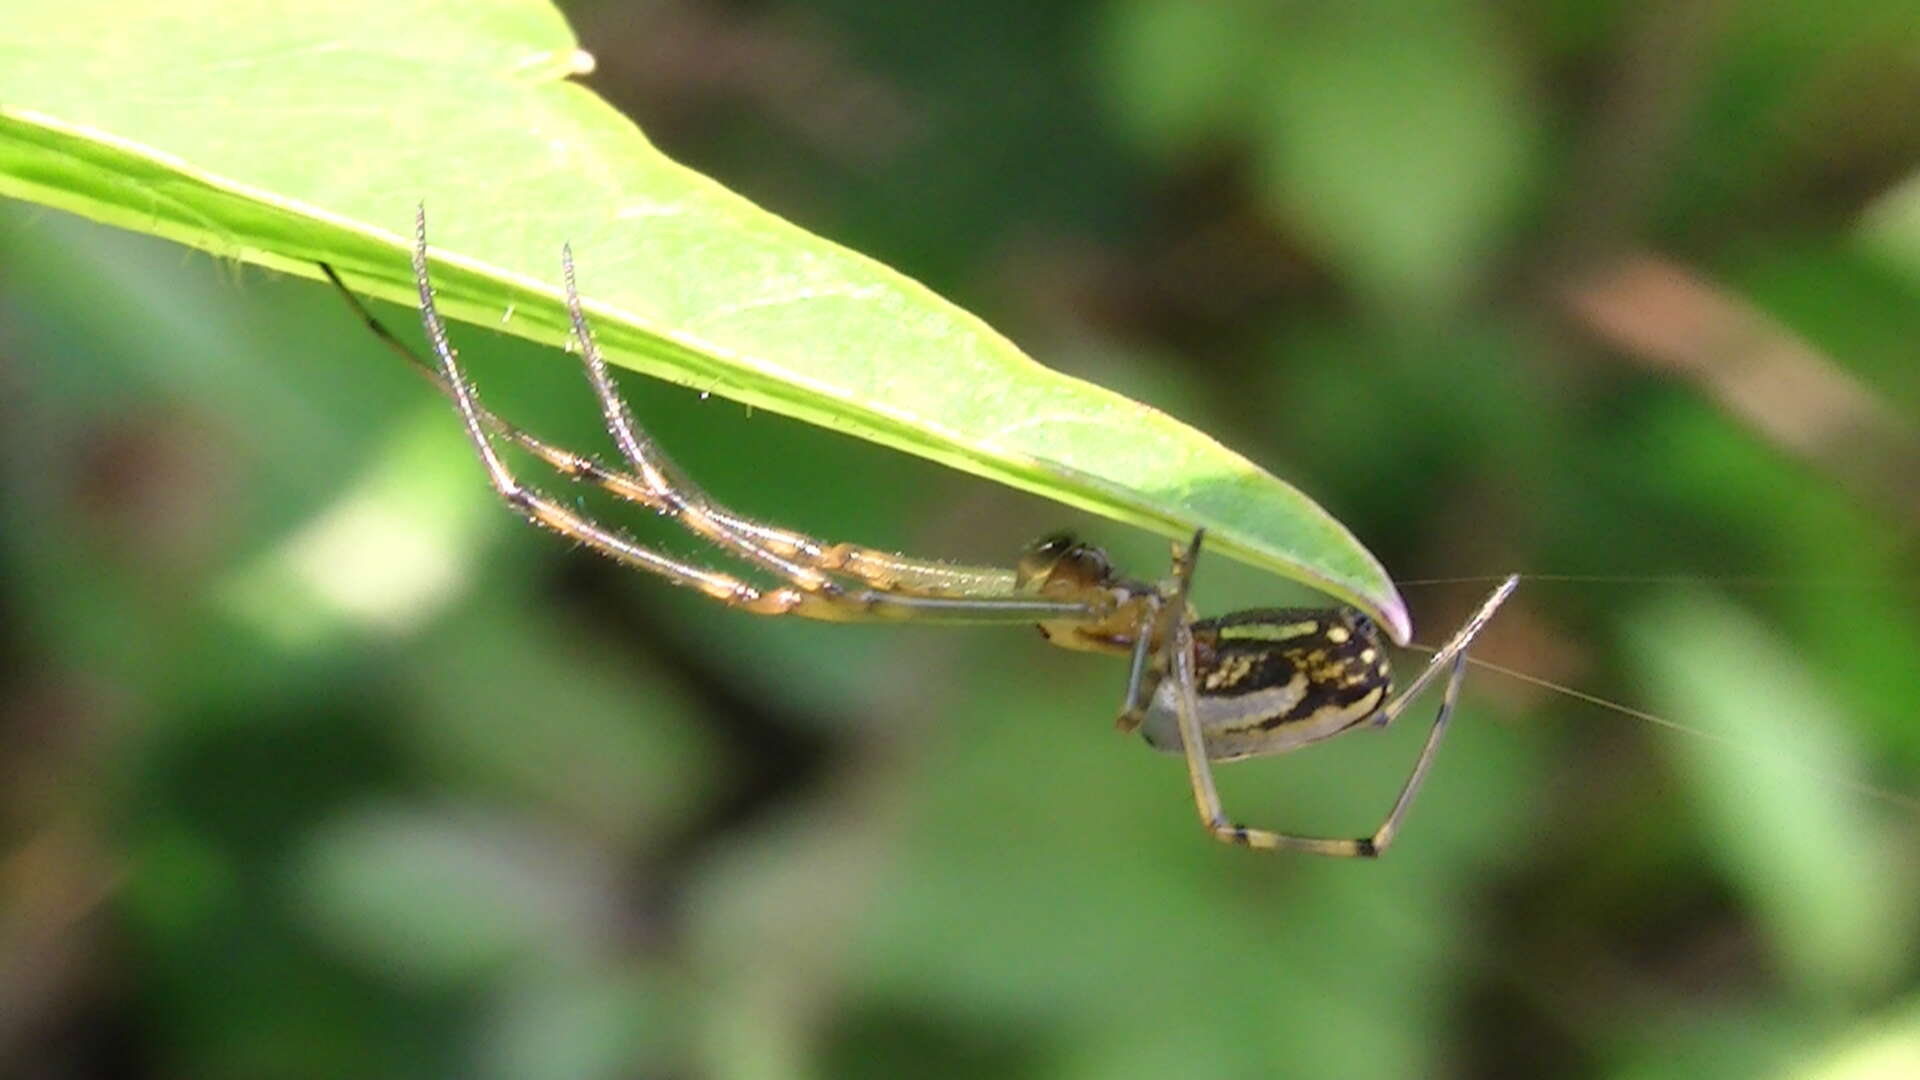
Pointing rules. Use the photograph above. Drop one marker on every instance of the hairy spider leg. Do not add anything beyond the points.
(804, 562)
(677, 495)
(878, 568)
(803, 596)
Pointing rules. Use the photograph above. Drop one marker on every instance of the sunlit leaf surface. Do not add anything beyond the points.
(295, 137)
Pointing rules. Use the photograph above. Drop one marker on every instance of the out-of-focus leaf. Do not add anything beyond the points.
(292, 137)
(1179, 72)
(1795, 841)
(443, 899)
(1397, 133)
(1892, 227)
(1886, 1050)
(585, 1025)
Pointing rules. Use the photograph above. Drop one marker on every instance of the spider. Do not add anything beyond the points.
(1254, 682)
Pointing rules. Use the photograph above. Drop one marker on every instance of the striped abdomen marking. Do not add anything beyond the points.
(1271, 680)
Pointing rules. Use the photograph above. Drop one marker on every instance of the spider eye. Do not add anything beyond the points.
(1044, 557)
(1092, 562)
(1052, 546)
(1063, 561)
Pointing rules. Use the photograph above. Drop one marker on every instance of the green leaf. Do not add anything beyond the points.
(285, 136)
(1784, 829)
(1397, 134)
(1891, 227)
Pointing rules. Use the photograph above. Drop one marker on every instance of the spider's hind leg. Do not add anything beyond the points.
(1451, 659)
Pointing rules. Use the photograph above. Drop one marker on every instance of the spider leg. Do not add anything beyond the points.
(1156, 626)
(880, 569)
(1133, 708)
(841, 605)
(1206, 796)
(1462, 638)
(673, 493)
(794, 557)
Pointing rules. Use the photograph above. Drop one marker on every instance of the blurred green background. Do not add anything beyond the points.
(315, 763)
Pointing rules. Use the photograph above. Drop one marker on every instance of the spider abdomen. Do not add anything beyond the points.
(1270, 680)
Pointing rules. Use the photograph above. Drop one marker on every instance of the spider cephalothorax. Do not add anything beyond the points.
(1062, 566)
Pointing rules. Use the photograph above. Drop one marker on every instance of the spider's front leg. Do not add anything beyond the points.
(944, 593)
(1166, 609)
